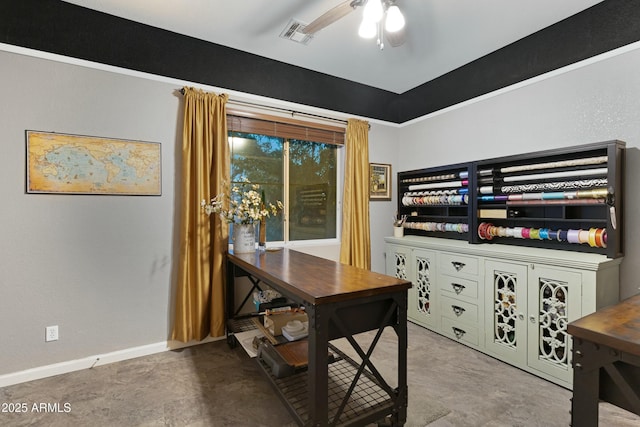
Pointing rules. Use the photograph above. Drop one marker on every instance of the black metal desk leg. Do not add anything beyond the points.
(230, 301)
(401, 332)
(586, 385)
(318, 380)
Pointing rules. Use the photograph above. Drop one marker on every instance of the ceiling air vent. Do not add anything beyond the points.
(293, 32)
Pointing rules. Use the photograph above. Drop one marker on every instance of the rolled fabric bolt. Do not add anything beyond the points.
(554, 175)
(532, 196)
(557, 195)
(556, 164)
(434, 185)
(570, 194)
(487, 189)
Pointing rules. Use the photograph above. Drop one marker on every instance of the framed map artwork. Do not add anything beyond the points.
(75, 164)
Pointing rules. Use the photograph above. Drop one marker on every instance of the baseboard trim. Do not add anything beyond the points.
(93, 361)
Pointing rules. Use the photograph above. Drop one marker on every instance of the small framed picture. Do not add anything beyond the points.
(379, 181)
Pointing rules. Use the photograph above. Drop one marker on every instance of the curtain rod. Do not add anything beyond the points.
(283, 110)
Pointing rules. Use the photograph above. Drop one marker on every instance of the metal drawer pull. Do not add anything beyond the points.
(458, 265)
(457, 288)
(458, 332)
(457, 310)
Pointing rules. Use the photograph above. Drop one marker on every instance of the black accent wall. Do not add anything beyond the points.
(62, 28)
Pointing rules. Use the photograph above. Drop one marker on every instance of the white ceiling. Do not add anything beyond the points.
(442, 35)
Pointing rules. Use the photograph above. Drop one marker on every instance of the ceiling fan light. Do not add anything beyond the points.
(373, 11)
(395, 19)
(367, 29)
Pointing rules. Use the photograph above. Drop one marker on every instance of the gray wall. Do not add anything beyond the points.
(101, 267)
(596, 102)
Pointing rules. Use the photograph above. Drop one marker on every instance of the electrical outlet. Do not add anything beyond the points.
(51, 333)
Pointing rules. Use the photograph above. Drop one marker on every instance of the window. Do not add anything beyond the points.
(292, 163)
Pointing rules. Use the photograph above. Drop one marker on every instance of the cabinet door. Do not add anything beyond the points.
(422, 301)
(398, 262)
(506, 308)
(554, 301)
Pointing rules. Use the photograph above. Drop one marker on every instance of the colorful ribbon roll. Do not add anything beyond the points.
(594, 237)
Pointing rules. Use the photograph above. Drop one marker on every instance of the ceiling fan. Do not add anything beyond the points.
(374, 13)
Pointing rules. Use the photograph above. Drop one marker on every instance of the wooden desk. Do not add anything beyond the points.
(606, 361)
(340, 301)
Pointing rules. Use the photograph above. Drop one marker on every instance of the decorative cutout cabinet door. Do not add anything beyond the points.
(423, 306)
(398, 262)
(554, 301)
(506, 311)
(418, 266)
(528, 308)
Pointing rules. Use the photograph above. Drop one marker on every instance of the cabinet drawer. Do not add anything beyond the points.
(458, 286)
(458, 310)
(457, 264)
(460, 331)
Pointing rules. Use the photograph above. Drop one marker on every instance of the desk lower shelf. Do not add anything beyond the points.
(368, 402)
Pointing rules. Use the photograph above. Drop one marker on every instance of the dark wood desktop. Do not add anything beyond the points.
(606, 361)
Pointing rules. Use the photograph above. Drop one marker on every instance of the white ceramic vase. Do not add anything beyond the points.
(244, 238)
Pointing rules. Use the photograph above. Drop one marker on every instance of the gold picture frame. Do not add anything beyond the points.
(379, 181)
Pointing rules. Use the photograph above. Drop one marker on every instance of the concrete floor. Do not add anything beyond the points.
(212, 385)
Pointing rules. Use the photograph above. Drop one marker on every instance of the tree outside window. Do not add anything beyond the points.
(306, 182)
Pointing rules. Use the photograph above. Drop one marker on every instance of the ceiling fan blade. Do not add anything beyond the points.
(331, 16)
(397, 38)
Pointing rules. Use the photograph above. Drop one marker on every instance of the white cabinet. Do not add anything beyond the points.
(528, 307)
(511, 303)
(418, 266)
(554, 301)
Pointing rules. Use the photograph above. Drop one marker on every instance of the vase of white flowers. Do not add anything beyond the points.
(243, 206)
(244, 238)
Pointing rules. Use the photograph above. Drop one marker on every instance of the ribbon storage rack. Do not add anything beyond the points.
(436, 201)
(568, 199)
